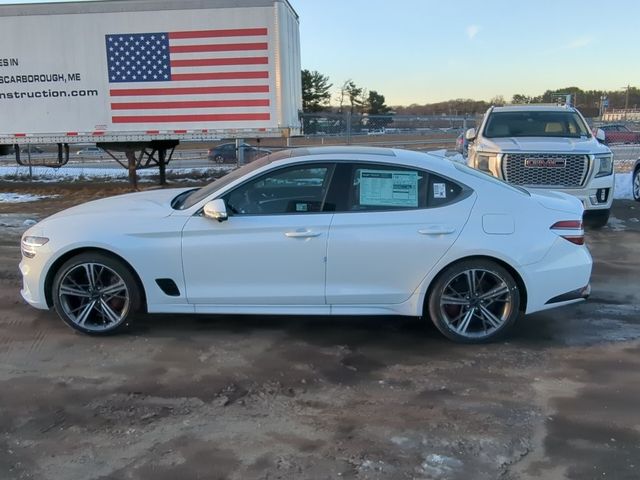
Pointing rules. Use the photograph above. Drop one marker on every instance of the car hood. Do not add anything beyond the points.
(558, 201)
(543, 144)
(156, 203)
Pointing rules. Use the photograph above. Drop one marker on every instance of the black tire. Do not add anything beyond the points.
(635, 185)
(596, 218)
(95, 293)
(219, 159)
(488, 315)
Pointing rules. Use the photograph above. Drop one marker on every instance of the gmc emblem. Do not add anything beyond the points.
(545, 162)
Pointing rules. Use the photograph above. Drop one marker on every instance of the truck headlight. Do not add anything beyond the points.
(482, 162)
(605, 165)
(30, 245)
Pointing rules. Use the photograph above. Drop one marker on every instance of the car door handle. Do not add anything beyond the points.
(303, 234)
(437, 230)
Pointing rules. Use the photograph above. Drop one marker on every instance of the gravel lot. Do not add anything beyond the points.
(188, 397)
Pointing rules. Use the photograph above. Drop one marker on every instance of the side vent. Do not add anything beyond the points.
(168, 286)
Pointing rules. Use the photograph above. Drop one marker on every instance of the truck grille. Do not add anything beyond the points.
(548, 169)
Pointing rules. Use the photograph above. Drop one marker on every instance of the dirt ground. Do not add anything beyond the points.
(219, 397)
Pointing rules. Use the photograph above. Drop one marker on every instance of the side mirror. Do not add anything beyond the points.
(470, 134)
(600, 135)
(216, 210)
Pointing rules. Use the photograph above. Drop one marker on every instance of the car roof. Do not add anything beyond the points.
(534, 108)
(365, 154)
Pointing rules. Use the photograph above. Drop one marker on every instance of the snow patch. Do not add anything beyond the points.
(623, 188)
(439, 466)
(22, 197)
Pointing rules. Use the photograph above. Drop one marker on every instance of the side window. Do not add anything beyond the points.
(386, 187)
(442, 191)
(299, 189)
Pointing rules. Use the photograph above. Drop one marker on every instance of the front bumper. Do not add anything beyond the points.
(32, 284)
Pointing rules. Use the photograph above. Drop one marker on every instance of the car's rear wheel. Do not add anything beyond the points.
(95, 294)
(219, 159)
(636, 185)
(474, 301)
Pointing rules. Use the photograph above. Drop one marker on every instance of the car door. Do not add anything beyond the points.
(272, 248)
(394, 227)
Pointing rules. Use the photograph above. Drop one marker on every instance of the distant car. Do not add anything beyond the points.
(636, 181)
(90, 152)
(34, 149)
(462, 145)
(226, 153)
(316, 231)
(618, 133)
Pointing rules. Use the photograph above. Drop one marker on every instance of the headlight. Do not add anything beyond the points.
(605, 165)
(30, 245)
(482, 162)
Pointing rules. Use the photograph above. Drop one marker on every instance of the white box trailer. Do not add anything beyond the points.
(134, 71)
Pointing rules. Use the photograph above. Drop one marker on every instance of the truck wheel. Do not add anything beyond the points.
(95, 293)
(596, 218)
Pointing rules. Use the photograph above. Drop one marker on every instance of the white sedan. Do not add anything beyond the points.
(316, 231)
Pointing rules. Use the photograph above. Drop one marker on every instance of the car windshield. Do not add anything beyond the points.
(195, 196)
(535, 124)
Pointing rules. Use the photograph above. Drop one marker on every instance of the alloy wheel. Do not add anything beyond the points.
(636, 185)
(476, 303)
(94, 297)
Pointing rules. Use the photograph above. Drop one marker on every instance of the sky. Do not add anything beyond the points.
(423, 51)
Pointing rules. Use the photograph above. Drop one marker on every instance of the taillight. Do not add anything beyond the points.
(574, 226)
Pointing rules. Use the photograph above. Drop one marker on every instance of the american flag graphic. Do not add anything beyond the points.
(192, 76)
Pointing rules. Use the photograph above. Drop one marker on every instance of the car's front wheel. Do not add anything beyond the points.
(95, 293)
(636, 185)
(474, 301)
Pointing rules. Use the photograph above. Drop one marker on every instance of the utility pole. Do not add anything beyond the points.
(626, 98)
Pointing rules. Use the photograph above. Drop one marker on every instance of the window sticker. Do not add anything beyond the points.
(439, 190)
(388, 188)
(302, 207)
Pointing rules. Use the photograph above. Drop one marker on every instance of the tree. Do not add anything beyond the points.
(376, 105)
(497, 100)
(315, 91)
(380, 115)
(520, 98)
(350, 91)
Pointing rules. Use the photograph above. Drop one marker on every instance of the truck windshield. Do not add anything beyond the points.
(535, 124)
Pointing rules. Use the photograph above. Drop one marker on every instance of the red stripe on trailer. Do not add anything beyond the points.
(214, 62)
(179, 131)
(97, 133)
(219, 76)
(219, 47)
(189, 90)
(19, 134)
(230, 117)
(153, 132)
(235, 32)
(72, 134)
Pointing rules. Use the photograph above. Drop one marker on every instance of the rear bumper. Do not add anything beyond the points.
(579, 294)
(560, 278)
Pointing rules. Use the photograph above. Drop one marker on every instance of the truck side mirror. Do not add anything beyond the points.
(600, 135)
(470, 134)
(216, 210)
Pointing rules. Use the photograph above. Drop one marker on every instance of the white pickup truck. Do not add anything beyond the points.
(548, 147)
